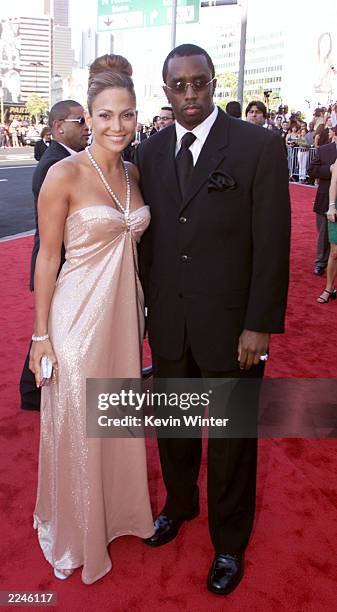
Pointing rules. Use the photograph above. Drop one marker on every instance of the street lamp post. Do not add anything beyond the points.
(1, 105)
(174, 24)
(241, 75)
(243, 4)
(36, 65)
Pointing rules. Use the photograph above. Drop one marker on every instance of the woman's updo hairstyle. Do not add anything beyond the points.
(109, 71)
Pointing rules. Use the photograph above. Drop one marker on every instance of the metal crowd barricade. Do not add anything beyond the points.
(299, 159)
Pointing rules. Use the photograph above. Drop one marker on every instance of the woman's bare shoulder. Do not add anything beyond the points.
(67, 168)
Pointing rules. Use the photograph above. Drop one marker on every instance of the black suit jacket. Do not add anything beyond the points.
(320, 168)
(39, 149)
(217, 262)
(55, 153)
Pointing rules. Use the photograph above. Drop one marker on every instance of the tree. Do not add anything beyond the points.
(36, 106)
(228, 85)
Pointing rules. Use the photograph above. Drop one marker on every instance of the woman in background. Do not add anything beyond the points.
(329, 292)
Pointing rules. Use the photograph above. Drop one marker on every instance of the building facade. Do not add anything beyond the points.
(89, 47)
(63, 55)
(25, 58)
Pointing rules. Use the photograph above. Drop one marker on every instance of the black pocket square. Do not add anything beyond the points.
(220, 181)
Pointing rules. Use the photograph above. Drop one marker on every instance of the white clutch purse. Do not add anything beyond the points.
(46, 369)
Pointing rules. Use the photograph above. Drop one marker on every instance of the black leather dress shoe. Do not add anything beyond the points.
(165, 530)
(318, 270)
(225, 574)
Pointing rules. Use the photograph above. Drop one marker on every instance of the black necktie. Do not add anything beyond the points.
(184, 161)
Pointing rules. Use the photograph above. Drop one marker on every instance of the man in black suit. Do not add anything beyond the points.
(155, 125)
(214, 263)
(70, 135)
(42, 145)
(129, 152)
(320, 168)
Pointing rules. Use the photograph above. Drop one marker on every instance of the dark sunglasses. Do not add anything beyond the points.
(81, 120)
(197, 85)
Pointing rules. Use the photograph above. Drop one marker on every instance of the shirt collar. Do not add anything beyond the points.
(201, 131)
(71, 151)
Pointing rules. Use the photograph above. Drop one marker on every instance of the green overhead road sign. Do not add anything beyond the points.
(126, 14)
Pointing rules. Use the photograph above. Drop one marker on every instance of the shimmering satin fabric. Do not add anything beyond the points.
(91, 491)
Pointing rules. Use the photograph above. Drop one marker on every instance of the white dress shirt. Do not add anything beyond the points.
(71, 151)
(201, 132)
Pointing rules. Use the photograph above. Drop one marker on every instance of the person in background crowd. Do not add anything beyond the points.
(130, 151)
(302, 155)
(283, 111)
(21, 130)
(309, 139)
(292, 136)
(310, 135)
(278, 124)
(334, 115)
(233, 108)
(155, 125)
(272, 116)
(291, 142)
(320, 168)
(329, 292)
(14, 133)
(70, 135)
(256, 112)
(146, 130)
(318, 117)
(321, 135)
(166, 117)
(43, 144)
(284, 132)
(331, 134)
(139, 134)
(3, 138)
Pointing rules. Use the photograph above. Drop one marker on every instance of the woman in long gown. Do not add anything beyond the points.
(89, 322)
(330, 292)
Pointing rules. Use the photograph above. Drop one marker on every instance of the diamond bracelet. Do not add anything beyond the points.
(40, 338)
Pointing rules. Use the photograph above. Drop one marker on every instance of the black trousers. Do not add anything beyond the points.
(30, 394)
(231, 466)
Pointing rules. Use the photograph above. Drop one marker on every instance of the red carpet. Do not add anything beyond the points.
(291, 560)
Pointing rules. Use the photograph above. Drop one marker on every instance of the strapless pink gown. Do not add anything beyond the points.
(92, 490)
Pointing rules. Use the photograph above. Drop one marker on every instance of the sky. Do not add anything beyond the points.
(146, 48)
(82, 18)
(83, 15)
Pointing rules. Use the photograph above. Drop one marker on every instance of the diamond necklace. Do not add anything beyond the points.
(125, 210)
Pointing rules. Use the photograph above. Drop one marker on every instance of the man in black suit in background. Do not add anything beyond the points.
(42, 145)
(70, 135)
(155, 125)
(214, 264)
(320, 168)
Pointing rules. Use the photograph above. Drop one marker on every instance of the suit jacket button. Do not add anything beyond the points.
(182, 220)
(184, 257)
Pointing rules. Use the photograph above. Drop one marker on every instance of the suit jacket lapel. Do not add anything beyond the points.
(166, 166)
(212, 153)
(58, 149)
